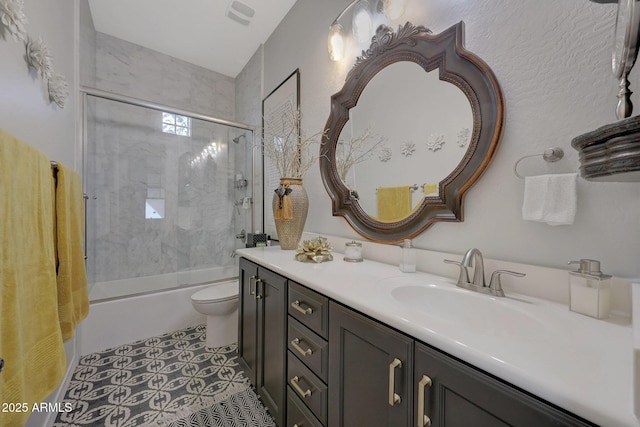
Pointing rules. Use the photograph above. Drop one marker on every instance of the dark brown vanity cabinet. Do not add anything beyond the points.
(370, 372)
(308, 357)
(381, 377)
(332, 366)
(262, 334)
(450, 393)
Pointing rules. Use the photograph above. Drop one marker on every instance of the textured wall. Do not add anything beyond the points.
(25, 110)
(26, 113)
(553, 61)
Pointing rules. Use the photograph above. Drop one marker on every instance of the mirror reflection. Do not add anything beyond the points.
(399, 162)
(415, 125)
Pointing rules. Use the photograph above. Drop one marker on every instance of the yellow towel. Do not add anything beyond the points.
(394, 203)
(73, 297)
(430, 189)
(30, 338)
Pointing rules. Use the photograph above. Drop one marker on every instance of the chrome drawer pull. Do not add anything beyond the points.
(252, 285)
(295, 343)
(294, 383)
(393, 396)
(259, 289)
(296, 305)
(423, 420)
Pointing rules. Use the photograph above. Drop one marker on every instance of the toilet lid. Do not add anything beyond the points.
(221, 292)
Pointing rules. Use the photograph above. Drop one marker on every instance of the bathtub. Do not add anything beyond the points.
(139, 285)
(115, 321)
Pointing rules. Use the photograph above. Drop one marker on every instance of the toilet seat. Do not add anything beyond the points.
(217, 293)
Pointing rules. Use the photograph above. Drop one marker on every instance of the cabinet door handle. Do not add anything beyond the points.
(259, 289)
(423, 420)
(296, 306)
(303, 393)
(252, 285)
(295, 343)
(393, 396)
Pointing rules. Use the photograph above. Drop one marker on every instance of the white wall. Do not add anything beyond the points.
(25, 110)
(553, 62)
(26, 113)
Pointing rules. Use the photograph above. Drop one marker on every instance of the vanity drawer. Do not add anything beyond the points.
(309, 347)
(310, 308)
(298, 415)
(311, 390)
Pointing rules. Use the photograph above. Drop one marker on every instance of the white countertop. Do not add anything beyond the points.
(578, 363)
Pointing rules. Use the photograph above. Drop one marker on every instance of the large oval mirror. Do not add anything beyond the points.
(417, 122)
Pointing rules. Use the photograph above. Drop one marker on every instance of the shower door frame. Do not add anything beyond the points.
(88, 91)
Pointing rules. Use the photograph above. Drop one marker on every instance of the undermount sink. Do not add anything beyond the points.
(482, 314)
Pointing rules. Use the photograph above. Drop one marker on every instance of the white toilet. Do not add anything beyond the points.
(220, 304)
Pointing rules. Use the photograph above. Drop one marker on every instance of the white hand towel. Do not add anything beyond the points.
(550, 198)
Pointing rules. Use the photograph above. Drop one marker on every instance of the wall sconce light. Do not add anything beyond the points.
(393, 9)
(337, 43)
(361, 24)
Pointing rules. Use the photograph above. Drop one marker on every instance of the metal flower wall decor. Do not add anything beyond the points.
(435, 141)
(407, 148)
(13, 19)
(58, 89)
(463, 137)
(13, 22)
(39, 57)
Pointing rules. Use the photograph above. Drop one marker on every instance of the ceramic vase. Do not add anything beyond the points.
(290, 208)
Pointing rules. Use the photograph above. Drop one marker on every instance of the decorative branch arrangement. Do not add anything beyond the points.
(289, 150)
(357, 150)
(14, 22)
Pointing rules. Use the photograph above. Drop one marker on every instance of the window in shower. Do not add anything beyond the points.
(176, 124)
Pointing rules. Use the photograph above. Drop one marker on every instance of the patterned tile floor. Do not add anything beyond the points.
(160, 381)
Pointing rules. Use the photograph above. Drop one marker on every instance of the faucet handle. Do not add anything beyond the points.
(464, 274)
(495, 286)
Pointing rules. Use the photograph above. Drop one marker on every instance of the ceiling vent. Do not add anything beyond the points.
(240, 12)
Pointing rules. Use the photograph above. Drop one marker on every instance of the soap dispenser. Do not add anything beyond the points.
(589, 289)
(408, 261)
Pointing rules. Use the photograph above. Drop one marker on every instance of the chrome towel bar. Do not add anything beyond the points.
(550, 155)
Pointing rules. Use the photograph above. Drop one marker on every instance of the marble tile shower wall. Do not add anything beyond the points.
(129, 69)
(128, 159)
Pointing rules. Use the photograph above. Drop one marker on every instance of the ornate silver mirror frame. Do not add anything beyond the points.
(446, 53)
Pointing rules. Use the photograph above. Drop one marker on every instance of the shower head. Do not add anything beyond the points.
(237, 138)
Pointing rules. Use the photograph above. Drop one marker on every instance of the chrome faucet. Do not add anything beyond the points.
(473, 258)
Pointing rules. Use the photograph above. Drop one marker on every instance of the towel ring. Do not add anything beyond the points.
(550, 155)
